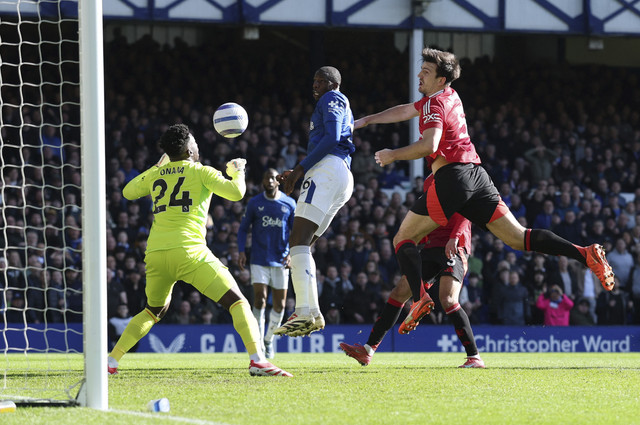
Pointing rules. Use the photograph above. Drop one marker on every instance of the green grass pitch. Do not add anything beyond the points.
(412, 388)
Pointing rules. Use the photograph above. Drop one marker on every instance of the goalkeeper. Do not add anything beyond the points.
(181, 189)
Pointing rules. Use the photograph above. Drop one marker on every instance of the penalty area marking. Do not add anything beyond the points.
(162, 416)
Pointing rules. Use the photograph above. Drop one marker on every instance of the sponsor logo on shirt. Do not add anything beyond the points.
(335, 106)
(434, 117)
(271, 222)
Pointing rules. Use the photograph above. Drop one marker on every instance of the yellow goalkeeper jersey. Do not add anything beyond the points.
(181, 193)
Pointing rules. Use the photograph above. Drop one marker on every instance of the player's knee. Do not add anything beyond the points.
(260, 303)
(448, 301)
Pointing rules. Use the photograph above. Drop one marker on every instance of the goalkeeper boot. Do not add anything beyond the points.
(473, 362)
(294, 324)
(112, 366)
(418, 311)
(357, 352)
(599, 265)
(266, 369)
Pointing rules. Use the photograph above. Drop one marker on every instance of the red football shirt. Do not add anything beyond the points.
(444, 110)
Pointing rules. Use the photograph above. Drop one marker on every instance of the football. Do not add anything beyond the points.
(230, 120)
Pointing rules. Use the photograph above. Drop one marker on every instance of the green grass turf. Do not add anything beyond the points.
(413, 388)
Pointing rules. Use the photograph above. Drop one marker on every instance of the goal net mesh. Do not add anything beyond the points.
(40, 237)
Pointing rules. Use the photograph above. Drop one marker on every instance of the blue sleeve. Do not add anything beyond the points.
(247, 218)
(327, 144)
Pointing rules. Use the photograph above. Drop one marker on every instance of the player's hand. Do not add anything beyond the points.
(292, 178)
(164, 159)
(282, 177)
(287, 262)
(384, 157)
(242, 260)
(451, 248)
(236, 166)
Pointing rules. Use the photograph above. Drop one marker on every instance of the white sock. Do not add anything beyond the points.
(112, 362)
(275, 319)
(300, 272)
(314, 303)
(258, 357)
(369, 349)
(477, 356)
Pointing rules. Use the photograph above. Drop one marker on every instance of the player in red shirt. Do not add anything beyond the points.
(444, 258)
(461, 184)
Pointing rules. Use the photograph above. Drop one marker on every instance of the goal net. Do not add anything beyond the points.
(42, 254)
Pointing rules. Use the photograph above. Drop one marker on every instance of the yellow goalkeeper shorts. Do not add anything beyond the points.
(196, 266)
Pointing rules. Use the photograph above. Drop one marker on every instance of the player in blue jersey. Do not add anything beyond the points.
(327, 185)
(270, 216)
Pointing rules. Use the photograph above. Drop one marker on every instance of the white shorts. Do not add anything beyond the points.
(326, 187)
(276, 277)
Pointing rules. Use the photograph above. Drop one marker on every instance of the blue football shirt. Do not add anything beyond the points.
(271, 221)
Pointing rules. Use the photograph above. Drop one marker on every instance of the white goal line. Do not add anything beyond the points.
(161, 417)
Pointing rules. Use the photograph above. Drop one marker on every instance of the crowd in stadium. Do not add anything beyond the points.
(561, 143)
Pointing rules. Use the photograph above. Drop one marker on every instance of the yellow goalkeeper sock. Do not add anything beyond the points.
(137, 328)
(246, 326)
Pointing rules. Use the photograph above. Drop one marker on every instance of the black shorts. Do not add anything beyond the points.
(436, 264)
(463, 188)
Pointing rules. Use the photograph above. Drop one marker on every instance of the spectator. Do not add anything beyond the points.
(540, 161)
(15, 312)
(36, 295)
(570, 228)
(333, 290)
(556, 306)
(183, 315)
(339, 253)
(539, 286)
(360, 305)
(621, 262)
(544, 220)
(117, 324)
(634, 287)
(565, 277)
(471, 298)
(364, 164)
(387, 265)
(580, 315)
(512, 301)
(321, 253)
(612, 307)
(359, 253)
(73, 281)
(55, 298)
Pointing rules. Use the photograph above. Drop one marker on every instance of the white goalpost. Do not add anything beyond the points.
(53, 330)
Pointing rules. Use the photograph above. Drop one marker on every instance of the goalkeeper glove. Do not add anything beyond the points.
(236, 166)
